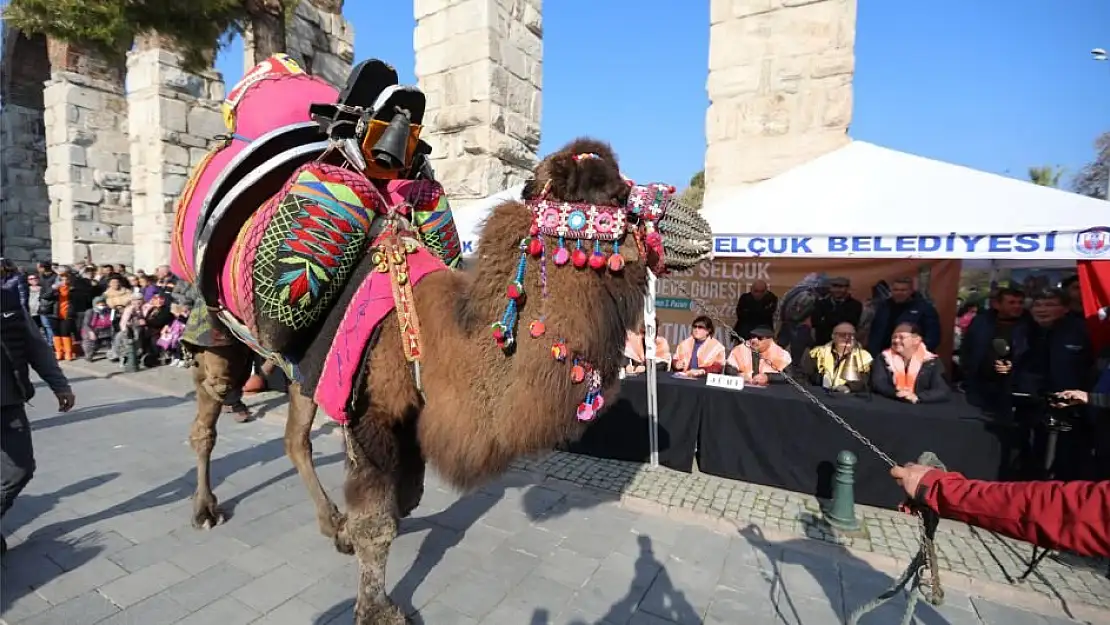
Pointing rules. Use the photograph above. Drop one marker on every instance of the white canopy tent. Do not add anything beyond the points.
(867, 201)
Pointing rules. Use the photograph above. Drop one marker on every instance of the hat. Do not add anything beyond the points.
(762, 332)
(99, 299)
(137, 296)
(840, 281)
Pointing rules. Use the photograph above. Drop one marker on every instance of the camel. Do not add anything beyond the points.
(519, 353)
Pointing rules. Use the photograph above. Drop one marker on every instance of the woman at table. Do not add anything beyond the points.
(700, 353)
(772, 358)
(635, 348)
(909, 372)
(829, 364)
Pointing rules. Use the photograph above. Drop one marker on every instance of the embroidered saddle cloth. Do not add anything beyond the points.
(287, 249)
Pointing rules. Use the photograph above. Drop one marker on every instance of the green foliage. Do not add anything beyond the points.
(111, 26)
(694, 195)
(698, 179)
(1093, 180)
(1046, 176)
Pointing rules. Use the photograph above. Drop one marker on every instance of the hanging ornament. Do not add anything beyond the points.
(597, 259)
(536, 328)
(579, 257)
(515, 291)
(577, 373)
(616, 263)
(559, 351)
(535, 247)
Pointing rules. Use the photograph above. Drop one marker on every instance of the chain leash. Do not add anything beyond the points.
(923, 569)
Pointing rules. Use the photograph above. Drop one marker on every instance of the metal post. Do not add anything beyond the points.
(132, 364)
(841, 513)
(652, 376)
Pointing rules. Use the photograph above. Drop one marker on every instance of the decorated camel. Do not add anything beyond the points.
(336, 262)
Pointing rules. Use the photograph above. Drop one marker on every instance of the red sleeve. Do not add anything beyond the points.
(1073, 516)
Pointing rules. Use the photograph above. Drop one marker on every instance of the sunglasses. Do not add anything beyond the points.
(700, 327)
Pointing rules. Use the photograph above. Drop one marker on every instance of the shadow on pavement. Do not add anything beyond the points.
(30, 565)
(82, 413)
(796, 578)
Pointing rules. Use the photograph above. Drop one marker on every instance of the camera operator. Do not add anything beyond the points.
(1053, 515)
(1050, 355)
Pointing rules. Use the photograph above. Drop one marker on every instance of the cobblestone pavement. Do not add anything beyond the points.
(101, 536)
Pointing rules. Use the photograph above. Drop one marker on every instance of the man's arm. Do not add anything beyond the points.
(1055, 515)
(937, 390)
(42, 360)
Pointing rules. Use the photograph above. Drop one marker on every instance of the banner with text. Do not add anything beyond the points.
(717, 285)
(1092, 243)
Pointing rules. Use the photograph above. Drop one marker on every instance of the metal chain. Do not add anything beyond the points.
(924, 566)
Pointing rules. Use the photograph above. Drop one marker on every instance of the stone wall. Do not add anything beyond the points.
(480, 62)
(24, 203)
(318, 38)
(780, 87)
(174, 117)
(88, 154)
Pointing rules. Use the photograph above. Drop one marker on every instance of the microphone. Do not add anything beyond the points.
(1001, 348)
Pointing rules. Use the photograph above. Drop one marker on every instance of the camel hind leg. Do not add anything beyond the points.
(218, 371)
(298, 446)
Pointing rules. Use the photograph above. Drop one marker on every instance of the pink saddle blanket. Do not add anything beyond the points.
(372, 302)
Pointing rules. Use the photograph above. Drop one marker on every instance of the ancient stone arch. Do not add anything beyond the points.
(780, 74)
(25, 227)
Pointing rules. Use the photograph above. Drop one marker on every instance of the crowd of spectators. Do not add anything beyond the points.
(90, 311)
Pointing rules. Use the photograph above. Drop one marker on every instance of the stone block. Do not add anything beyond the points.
(453, 20)
(737, 80)
(94, 232)
(102, 161)
(115, 217)
(462, 50)
(456, 118)
(114, 253)
(173, 115)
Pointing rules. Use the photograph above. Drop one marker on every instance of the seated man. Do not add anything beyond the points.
(635, 348)
(762, 347)
(830, 365)
(700, 353)
(911, 373)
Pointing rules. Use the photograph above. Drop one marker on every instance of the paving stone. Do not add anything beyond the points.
(89, 576)
(146, 582)
(292, 612)
(156, 610)
(210, 585)
(225, 611)
(272, 589)
(87, 609)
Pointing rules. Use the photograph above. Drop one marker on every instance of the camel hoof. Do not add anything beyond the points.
(383, 615)
(206, 514)
(332, 523)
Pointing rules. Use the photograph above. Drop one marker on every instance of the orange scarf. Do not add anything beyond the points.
(905, 376)
(775, 360)
(634, 348)
(711, 353)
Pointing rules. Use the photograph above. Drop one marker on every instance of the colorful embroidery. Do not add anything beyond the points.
(317, 235)
(437, 230)
(568, 220)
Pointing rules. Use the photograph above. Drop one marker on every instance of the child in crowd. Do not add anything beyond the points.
(170, 340)
(96, 329)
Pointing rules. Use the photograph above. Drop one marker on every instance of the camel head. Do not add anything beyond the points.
(568, 266)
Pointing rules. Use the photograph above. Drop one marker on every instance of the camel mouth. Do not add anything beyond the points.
(687, 237)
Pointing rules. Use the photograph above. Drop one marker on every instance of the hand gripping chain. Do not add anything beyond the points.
(922, 570)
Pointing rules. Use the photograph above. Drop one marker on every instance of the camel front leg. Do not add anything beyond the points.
(298, 446)
(372, 516)
(217, 371)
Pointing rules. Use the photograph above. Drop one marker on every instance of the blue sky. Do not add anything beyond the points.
(998, 85)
